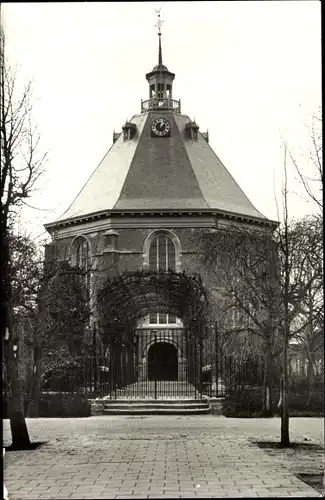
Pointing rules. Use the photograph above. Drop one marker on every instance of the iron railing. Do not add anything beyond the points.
(167, 103)
(153, 363)
(158, 363)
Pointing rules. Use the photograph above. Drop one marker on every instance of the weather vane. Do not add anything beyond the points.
(159, 22)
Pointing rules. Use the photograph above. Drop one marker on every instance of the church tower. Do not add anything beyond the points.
(159, 182)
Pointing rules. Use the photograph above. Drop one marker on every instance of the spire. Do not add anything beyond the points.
(160, 82)
(159, 51)
(158, 25)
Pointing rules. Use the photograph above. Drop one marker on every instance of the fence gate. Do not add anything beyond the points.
(162, 363)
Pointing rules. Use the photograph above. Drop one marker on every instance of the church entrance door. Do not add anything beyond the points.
(162, 361)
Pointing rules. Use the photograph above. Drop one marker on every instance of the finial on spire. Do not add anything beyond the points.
(158, 25)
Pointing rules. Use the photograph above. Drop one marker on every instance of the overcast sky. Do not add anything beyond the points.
(249, 72)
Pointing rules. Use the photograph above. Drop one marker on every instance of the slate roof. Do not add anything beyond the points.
(160, 173)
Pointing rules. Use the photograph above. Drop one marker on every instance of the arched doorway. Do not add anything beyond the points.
(162, 362)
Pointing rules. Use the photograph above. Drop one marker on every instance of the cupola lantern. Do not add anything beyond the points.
(160, 82)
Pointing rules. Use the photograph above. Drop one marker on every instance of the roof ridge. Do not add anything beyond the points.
(197, 180)
(131, 163)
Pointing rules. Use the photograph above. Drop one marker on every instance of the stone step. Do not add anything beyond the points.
(157, 411)
(146, 401)
(152, 405)
(166, 406)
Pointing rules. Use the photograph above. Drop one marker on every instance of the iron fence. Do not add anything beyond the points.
(153, 363)
(159, 363)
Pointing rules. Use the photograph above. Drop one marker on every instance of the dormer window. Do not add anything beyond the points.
(129, 130)
(191, 130)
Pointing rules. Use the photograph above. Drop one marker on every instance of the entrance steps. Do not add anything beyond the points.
(150, 407)
(148, 398)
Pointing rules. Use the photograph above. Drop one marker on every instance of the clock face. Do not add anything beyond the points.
(160, 127)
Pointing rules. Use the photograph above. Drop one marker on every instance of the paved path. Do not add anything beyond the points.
(154, 457)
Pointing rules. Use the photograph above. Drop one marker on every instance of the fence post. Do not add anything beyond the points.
(95, 359)
(155, 367)
(216, 348)
(115, 365)
(200, 362)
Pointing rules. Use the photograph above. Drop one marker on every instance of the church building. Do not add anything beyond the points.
(159, 181)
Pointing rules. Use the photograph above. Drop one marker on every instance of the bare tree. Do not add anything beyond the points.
(67, 306)
(313, 181)
(61, 325)
(299, 245)
(284, 248)
(243, 263)
(309, 322)
(21, 167)
(264, 280)
(26, 273)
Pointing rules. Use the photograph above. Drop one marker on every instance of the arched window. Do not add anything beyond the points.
(81, 258)
(162, 257)
(82, 254)
(162, 253)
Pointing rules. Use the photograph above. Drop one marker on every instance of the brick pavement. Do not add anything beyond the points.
(153, 457)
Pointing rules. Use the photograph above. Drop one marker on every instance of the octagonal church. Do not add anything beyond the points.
(159, 181)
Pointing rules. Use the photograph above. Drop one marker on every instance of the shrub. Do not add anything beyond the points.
(306, 401)
(65, 377)
(302, 384)
(246, 403)
(57, 406)
(249, 403)
(63, 405)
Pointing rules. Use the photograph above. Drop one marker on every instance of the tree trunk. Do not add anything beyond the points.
(285, 439)
(310, 369)
(310, 374)
(19, 432)
(36, 380)
(268, 379)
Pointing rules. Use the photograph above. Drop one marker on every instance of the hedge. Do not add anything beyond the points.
(58, 406)
(249, 403)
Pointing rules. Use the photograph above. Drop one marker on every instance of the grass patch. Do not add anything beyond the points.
(313, 480)
(296, 446)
